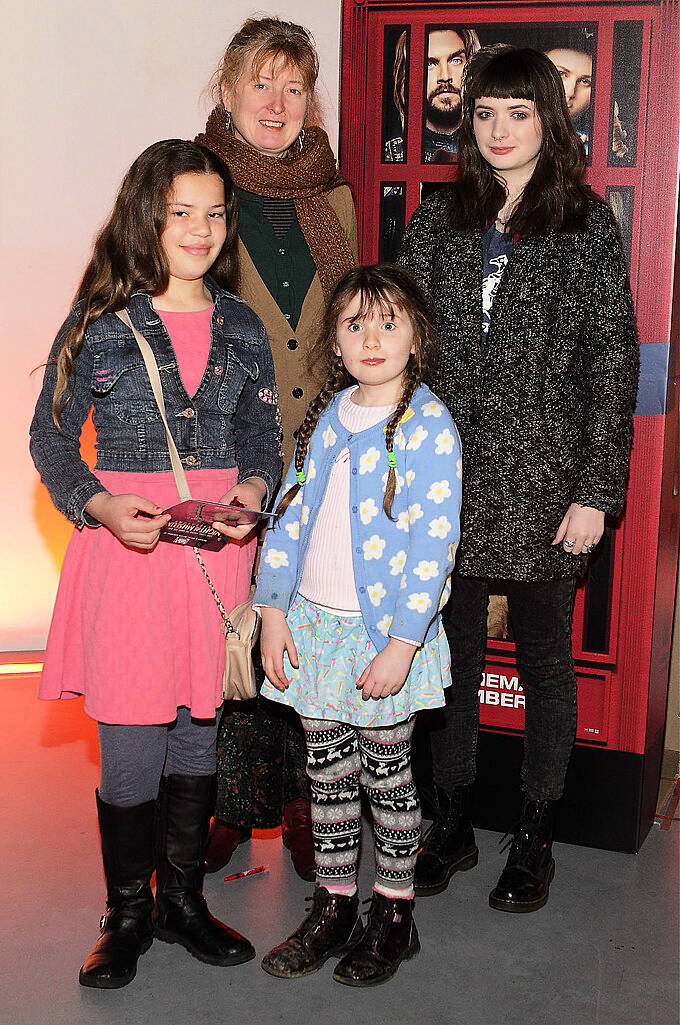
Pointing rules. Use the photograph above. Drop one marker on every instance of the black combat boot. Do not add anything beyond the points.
(389, 937)
(181, 914)
(448, 845)
(127, 928)
(525, 880)
(330, 927)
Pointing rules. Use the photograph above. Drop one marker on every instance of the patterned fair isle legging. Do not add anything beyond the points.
(340, 759)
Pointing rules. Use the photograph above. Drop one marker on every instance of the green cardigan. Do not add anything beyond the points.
(285, 264)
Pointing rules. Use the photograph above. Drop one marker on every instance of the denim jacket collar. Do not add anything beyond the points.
(218, 293)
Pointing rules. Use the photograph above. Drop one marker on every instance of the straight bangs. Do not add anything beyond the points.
(286, 53)
(372, 296)
(507, 77)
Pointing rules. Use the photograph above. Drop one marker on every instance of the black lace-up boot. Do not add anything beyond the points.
(181, 914)
(389, 937)
(126, 927)
(525, 881)
(448, 845)
(330, 926)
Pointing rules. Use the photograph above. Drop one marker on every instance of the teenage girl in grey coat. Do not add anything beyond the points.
(538, 365)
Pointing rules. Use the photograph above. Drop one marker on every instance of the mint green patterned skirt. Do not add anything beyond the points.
(333, 652)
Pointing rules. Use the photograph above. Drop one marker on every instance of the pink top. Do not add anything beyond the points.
(190, 337)
(328, 573)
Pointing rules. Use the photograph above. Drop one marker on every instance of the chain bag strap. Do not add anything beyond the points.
(228, 625)
(242, 628)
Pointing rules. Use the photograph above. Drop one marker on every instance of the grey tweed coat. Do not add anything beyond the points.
(545, 407)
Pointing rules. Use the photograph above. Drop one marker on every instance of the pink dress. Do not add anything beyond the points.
(138, 633)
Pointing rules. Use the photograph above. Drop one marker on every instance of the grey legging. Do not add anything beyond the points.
(133, 758)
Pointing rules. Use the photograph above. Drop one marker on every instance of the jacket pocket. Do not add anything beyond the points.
(120, 376)
(241, 366)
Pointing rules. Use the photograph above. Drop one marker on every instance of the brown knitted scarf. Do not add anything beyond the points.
(304, 175)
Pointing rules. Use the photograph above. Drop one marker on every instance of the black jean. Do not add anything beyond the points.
(541, 617)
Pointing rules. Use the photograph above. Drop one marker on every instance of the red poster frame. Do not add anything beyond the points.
(630, 677)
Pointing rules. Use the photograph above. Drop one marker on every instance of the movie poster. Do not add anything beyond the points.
(571, 46)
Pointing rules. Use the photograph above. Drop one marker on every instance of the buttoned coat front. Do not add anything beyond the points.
(545, 405)
(290, 346)
(401, 566)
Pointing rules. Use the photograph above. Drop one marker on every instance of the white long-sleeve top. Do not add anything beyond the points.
(328, 573)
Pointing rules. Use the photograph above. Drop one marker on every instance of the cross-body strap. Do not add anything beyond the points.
(157, 388)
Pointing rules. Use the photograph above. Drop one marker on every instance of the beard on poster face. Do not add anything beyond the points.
(443, 107)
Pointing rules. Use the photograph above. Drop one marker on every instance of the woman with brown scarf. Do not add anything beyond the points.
(297, 236)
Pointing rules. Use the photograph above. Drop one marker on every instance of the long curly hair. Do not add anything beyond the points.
(554, 199)
(391, 289)
(128, 256)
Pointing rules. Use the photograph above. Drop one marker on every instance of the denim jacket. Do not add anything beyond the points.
(232, 420)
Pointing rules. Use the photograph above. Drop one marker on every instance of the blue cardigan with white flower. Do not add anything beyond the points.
(401, 567)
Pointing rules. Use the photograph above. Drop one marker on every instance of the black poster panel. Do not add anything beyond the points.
(395, 93)
(392, 219)
(598, 597)
(427, 188)
(621, 199)
(624, 107)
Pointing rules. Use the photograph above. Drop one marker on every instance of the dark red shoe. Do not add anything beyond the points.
(296, 833)
(221, 843)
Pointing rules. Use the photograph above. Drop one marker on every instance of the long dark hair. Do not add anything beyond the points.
(389, 288)
(554, 199)
(128, 257)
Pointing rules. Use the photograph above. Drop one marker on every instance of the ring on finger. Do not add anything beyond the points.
(569, 544)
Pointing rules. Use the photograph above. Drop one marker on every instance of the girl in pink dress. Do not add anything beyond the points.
(135, 628)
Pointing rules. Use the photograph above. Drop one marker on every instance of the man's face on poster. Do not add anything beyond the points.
(445, 63)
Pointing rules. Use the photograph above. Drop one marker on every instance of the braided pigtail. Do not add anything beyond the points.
(334, 382)
(412, 379)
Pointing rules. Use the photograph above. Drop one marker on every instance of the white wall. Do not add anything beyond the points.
(86, 85)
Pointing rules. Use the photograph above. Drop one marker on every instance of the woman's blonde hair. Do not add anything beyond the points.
(260, 40)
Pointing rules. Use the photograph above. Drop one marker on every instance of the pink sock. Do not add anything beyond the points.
(393, 893)
(345, 891)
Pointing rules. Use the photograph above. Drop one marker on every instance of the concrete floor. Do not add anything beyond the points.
(604, 951)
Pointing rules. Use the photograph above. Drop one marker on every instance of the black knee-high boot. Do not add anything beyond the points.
(181, 914)
(127, 928)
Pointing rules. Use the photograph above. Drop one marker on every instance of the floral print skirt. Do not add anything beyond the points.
(333, 651)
